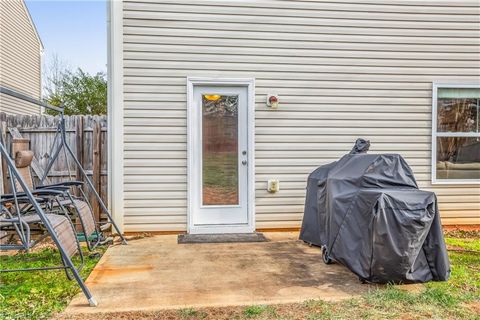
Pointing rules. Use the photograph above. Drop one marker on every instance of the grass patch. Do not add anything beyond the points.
(190, 313)
(38, 294)
(471, 244)
(259, 310)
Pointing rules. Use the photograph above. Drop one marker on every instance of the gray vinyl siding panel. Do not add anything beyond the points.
(20, 58)
(343, 70)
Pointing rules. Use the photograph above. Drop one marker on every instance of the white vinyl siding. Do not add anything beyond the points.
(342, 69)
(20, 58)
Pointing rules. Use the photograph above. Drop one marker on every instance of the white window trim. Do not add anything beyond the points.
(435, 134)
(250, 84)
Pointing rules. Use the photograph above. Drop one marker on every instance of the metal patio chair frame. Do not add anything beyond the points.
(66, 199)
(28, 198)
(21, 226)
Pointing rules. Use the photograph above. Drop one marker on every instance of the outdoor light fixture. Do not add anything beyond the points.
(272, 101)
(212, 97)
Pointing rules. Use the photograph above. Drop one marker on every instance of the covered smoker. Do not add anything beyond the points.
(366, 212)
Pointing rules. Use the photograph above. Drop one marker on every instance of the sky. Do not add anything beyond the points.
(76, 31)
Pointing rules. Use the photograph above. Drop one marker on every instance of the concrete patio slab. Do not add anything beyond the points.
(157, 273)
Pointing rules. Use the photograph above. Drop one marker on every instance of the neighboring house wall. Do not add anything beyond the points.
(343, 70)
(20, 57)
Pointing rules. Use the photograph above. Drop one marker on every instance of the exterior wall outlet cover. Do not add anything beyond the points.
(273, 185)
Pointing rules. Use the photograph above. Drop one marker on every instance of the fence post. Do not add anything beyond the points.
(3, 165)
(79, 137)
(3, 162)
(97, 163)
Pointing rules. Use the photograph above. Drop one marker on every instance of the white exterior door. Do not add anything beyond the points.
(219, 152)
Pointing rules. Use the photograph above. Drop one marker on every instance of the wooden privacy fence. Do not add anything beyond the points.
(86, 135)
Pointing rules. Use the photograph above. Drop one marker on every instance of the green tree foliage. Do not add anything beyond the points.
(79, 92)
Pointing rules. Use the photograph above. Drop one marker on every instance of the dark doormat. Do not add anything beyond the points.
(221, 238)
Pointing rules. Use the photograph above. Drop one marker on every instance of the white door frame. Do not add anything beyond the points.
(191, 123)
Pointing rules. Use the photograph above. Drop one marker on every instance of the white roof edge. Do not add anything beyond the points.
(33, 25)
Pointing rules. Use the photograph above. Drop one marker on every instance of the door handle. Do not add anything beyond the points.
(244, 162)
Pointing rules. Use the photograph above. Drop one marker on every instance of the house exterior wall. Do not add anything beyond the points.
(20, 57)
(342, 70)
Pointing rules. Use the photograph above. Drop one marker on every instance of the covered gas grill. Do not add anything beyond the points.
(367, 213)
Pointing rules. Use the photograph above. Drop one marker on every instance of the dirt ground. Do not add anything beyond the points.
(295, 311)
(279, 311)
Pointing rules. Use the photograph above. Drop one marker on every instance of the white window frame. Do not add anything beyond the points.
(435, 134)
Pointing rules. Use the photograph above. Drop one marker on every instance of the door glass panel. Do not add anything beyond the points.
(220, 149)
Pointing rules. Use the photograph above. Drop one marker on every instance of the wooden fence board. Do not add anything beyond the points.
(86, 135)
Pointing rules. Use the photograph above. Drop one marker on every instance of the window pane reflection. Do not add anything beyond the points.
(458, 115)
(220, 149)
(458, 158)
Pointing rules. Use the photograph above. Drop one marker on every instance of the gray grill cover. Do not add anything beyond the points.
(367, 210)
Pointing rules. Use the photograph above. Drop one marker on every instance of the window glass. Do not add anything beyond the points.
(457, 135)
(220, 149)
(457, 115)
(458, 158)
